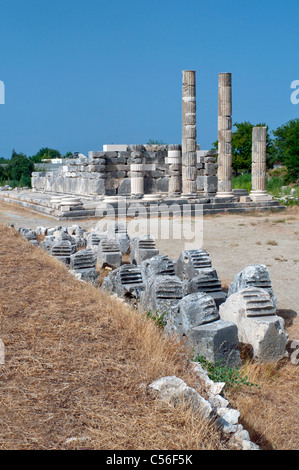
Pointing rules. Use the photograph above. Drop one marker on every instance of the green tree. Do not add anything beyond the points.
(242, 146)
(45, 153)
(68, 154)
(286, 148)
(19, 169)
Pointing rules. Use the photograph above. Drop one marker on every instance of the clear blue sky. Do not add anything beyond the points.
(80, 74)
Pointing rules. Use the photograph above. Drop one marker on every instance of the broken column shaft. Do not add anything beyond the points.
(189, 158)
(224, 135)
(174, 159)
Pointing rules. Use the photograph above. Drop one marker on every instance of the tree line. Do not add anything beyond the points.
(17, 170)
(282, 148)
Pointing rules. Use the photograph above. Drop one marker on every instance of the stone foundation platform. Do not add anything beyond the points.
(95, 207)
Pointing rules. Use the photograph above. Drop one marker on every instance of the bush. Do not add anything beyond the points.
(217, 372)
(286, 146)
(18, 170)
(242, 182)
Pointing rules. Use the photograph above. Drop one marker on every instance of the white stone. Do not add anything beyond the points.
(115, 148)
(252, 310)
(176, 391)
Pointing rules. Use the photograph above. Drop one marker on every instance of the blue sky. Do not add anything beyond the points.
(80, 74)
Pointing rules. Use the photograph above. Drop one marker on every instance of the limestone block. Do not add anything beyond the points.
(206, 280)
(109, 253)
(217, 342)
(210, 169)
(115, 147)
(256, 275)
(125, 281)
(200, 182)
(175, 391)
(84, 263)
(94, 238)
(118, 230)
(62, 250)
(161, 293)
(254, 313)
(162, 185)
(142, 248)
(211, 184)
(191, 311)
(159, 264)
(124, 188)
(190, 262)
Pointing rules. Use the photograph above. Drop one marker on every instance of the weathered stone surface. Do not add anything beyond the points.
(142, 248)
(95, 238)
(62, 250)
(190, 262)
(254, 313)
(83, 264)
(126, 281)
(217, 342)
(177, 392)
(118, 230)
(109, 253)
(191, 311)
(206, 280)
(48, 242)
(29, 235)
(161, 293)
(159, 264)
(83, 259)
(256, 275)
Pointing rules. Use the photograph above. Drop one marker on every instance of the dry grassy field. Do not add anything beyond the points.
(78, 362)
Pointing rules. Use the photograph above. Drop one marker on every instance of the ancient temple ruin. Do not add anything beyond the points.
(150, 174)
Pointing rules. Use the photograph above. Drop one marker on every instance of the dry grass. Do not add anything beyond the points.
(270, 412)
(77, 365)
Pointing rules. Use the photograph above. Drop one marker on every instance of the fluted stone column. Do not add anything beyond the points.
(174, 159)
(224, 135)
(189, 158)
(258, 170)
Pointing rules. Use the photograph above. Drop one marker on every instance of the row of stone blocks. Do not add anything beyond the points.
(186, 293)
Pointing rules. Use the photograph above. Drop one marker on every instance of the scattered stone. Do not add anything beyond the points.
(256, 275)
(253, 311)
(142, 248)
(190, 262)
(217, 342)
(176, 392)
(118, 230)
(109, 253)
(95, 238)
(62, 250)
(191, 311)
(126, 281)
(206, 280)
(159, 264)
(161, 294)
(83, 263)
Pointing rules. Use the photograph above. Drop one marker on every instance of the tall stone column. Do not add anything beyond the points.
(174, 160)
(258, 170)
(189, 158)
(224, 135)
